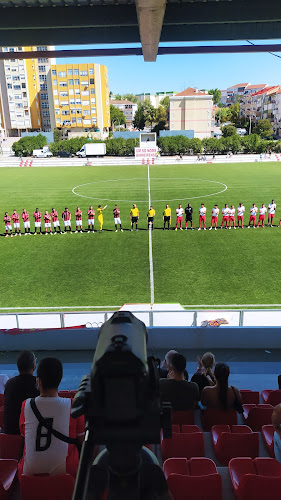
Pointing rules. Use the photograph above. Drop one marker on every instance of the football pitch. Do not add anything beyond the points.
(109, 269)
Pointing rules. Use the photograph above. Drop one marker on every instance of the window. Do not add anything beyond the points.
(64, 93)
(8, 78)
(79, 111)
(56, 92)
(57, 111)
(55, 82)
(87, 122)
(44, 97)
(86, 112)
(72, 102)
(42, 68)
(92, 81)
(63, 84)
(85, 83)
(17, 87)
(7, 68)
(76, 71)
(94, 119)
(11, 49)
(93, 100)
(19, 105)
(70, 82)
(78, 101)
(85, 92)
(16, 78)
(43, 86)
(91, 71)
(17, 96)
(73, 111)
(65, 112)
(62, 74)
(42, 78)
(92, 91)
(57, 101)
(77, 91)
(64, 103)
(23, 86)
(9, 85)
(73, 120)
(58, 120)
(46, 114)
(76, 81)
(43, 60)
(84, 73)
(86, 103)
(20, 114)
(94, 110)
(70, 72)
(41, 49)
(79, 120)
(71, 91)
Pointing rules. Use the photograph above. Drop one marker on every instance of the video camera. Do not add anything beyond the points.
(121, 403)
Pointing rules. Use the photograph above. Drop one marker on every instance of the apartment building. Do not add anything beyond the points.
(154, 98)
(43, 67)
(128, 108)
(79, 97)
(192, 110)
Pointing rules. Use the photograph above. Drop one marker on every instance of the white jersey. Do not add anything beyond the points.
(202, 211)
(232, 212)
(262, 210)
(179, 212)
(240, 211)
(215, 212)
(253, 211)
(271, 208)
(225, 212)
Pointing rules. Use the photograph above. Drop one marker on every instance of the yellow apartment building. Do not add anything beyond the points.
(79, 97)
(192, 110)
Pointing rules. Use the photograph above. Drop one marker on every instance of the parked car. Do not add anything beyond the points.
(65, 154)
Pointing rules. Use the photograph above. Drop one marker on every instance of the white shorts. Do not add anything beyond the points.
(47, 224)
(26, 224)
(16, 225)
(56, 223)
(8, 228)
(37, 224)
(117, 220)
(67, 223)
(78, 223)
(91, 222)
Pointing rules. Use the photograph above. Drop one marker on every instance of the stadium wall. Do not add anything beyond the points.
(49, 135)
(126, 135)
(169, 133)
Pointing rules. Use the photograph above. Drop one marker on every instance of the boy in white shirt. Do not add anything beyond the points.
(214, 219)
(179, 212)
(232, 217)
(271, 213)
(262, 211)
(225, 216)
(253, 215)
(240, 215)
(202, 216)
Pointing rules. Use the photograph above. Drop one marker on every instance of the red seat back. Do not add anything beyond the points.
(258, 416)
(11, 446)
(175, 466)
(267, 432)
(1, 399)
(250, 397)
(259, 487)
(231, 445)
(183, 445)
(195, 487)
(58, 487)
(183, 417)
(213, 416)
(274, 398)
(8, 471)
(65, 394)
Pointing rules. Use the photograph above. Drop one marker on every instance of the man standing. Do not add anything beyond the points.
(134, 216)
(202, 216)
(215, 215)
(262, 212)
(240, 215)
(43, 452)
(18, 389)
(78, 216)
(225, 216)
(56, 222)
(167, 213)
(26, 222)
(117, 220)
(66, 217)
(8, 225)
(175, 389)
(253, 215)
(232, 217)
(37, 221)
(47, 221)
(179, 212)
(100, 216)
(91, 219)
(16, 220)
(150, 217)
(271, 213)
(188, 216)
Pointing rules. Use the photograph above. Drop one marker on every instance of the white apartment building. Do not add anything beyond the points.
(154, 98)
(128, 108)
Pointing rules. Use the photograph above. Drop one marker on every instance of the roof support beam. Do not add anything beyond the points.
(150, 17)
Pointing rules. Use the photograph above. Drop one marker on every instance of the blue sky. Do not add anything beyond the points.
(131, 74)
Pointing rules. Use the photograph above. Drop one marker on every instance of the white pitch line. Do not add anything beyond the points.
(150, 244)
(60, 307)
(230, 305)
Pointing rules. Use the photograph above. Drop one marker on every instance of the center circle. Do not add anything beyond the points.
(142, 184)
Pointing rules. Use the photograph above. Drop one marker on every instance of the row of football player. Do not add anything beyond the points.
(228, 217)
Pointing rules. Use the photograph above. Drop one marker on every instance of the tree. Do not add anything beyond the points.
(223, 115)
(149, 112)
(116, 116)
(139, 118)
(118, 97)
(263, 128)
(165, 102)
(131, 97)
(26, 145)
(228, 131)
(161, 115)
(216, 93)
(57, 134)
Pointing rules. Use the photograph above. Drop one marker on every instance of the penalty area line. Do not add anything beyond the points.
(151, 273)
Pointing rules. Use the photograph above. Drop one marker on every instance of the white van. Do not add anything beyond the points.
(42, 153)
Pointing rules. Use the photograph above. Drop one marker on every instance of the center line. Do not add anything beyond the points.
(150, 244)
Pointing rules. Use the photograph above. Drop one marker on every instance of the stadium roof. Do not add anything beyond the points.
(266, 90)
(63, 22)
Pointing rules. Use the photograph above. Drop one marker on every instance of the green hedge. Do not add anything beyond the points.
(26, 145)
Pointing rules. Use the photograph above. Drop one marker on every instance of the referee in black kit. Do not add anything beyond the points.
(188, 216)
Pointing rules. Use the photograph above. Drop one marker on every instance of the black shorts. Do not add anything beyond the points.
(166, 218)
(188, 219)
(150, 219)
(134, 220)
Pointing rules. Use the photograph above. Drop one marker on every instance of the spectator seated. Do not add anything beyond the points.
(8, 471)
(11, 446)
(237, 441)
(259, 478)
(188, 444)
(214, 416)
(192, 479)
(271, 397)
(58, 487)
(267, 432)
(255, 416)
(250, 397)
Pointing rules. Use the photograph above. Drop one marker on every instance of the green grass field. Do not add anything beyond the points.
(108, 268)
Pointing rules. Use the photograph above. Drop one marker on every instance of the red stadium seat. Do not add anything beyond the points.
(190, 429)
(271, 397)
(1, 399)
(58, 487)
(255, 416)
(72, 393)
(65, 394)
(213, 416)
(176, 428)
(250, 397)
(183, 417)
(11, 446)
(8, 471)
(195, 479)
(267, 432)
(183, 445)
(239, 441)
(259, 478)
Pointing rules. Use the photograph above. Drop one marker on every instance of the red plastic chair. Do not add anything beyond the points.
(183, 417)
(183, 445)
(72, 393)
(190, 429)
(8, 471)
(65, 394)
(238, 441)
(1, 399)
(11, 446)
(259, 478)
(213, 416)
(250, 397)
(271, 397)
(58, 487)
(196, 479)
(267, 432)
(255, 416)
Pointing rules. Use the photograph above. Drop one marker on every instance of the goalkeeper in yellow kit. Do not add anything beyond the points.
(100, 215)
(134, 216)
(167, 217)
(150, 218)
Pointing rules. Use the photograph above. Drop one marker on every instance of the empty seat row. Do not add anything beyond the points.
(259, 478)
